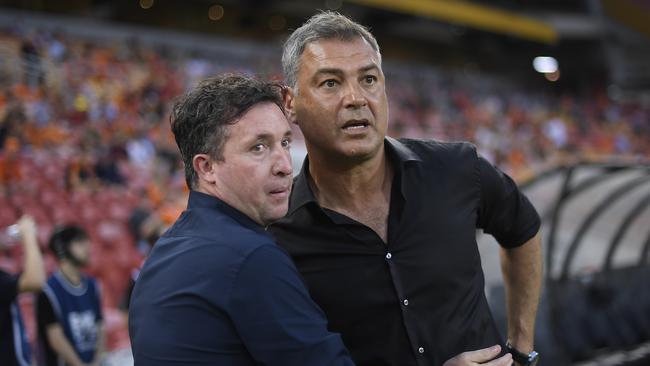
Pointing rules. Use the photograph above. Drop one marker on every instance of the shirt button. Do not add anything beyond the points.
(389, 256)
(421, 350)
(406, 302)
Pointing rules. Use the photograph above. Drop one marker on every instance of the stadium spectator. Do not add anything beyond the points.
(10, 173)
(69, 313)
(33, 73)
(14, 344)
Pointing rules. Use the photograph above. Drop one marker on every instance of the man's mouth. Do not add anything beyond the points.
(355, 125)
(280, 191)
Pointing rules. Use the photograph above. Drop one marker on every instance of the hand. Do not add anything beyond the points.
(27, 229)
(483, 356)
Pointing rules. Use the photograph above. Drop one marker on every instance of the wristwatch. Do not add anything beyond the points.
(525, 359)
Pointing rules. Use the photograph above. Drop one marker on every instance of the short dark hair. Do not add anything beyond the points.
(63, 236)
(200, 118)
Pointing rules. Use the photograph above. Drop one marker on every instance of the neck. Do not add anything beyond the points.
(348, 186)
(71, 273)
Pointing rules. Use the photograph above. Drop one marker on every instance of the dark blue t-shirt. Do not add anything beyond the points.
(77, 309)
(217, 290)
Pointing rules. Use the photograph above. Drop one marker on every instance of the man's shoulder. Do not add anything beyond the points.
(453, 160)
(205, 225)
(427, 149)
(223, 240)
(51, 281)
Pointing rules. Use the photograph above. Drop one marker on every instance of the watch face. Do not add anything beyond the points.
(533, 358)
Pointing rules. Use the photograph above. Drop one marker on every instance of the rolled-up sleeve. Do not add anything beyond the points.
(275, 317)
(504, 212)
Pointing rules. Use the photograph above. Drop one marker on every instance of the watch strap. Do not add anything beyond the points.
(518, 356)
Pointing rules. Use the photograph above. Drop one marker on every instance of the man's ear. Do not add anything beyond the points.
(204, 166)
(288, 99)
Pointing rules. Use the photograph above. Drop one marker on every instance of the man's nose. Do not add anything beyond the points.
(282, 165)
(354, 96)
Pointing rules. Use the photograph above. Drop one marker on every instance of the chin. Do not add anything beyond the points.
(368, 143)
(275, 216)
(361, 152)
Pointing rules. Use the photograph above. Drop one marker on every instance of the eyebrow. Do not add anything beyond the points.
(332, 71)
(269, 136)
(369, 67)
(339, 72)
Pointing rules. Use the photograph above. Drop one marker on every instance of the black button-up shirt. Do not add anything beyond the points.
(419, 298)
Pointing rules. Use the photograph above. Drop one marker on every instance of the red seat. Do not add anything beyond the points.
(62, 214)
(50, 262)
(21, 198)
(90, 214)
(43, 233)
(111, 230)
(7, 216)
(38, 212)
(119, 211)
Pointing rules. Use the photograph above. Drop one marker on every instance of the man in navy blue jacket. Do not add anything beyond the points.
(216, 289)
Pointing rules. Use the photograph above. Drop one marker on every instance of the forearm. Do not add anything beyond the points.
(33, 275)
(59, 343)
(522, 274)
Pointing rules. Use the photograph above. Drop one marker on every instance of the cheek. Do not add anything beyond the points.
(380, 103)
(79, 251)
(249, 180)
(317, 107)
(317, 123)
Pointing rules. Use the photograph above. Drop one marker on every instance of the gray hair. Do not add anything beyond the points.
(324, 25)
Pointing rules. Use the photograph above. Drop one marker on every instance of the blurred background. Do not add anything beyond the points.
(556, 93)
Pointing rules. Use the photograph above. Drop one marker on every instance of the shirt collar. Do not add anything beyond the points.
(302, 193)
(202, 200)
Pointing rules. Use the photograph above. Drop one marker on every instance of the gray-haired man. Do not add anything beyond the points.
(383, 230)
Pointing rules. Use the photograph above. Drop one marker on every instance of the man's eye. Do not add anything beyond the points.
(370, 79)
(286, 143)
(330, 83)
(258, 148)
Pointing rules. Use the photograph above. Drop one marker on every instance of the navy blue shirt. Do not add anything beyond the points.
(217, 290)
(77, 309)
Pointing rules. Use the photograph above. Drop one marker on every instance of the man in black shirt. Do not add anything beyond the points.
(383, 230)
(14, 345)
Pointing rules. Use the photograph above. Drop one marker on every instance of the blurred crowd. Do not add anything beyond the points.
(522, 131)
(85, 138)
